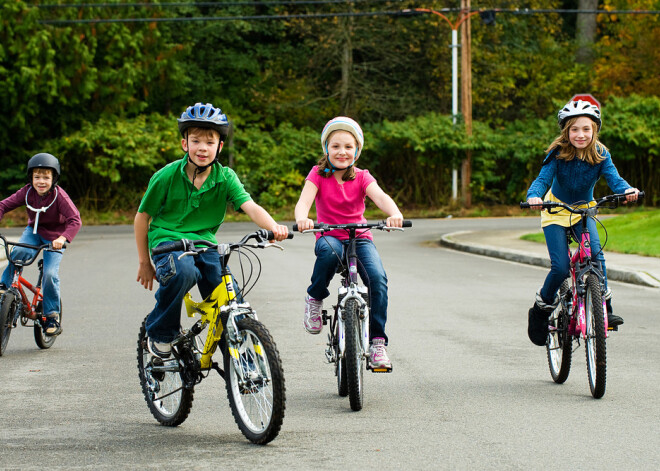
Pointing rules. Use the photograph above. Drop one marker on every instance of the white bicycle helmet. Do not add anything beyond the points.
(342, 123)
(573, 109)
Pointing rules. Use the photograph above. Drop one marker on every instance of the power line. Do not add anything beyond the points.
(206, 4)
(514, 11)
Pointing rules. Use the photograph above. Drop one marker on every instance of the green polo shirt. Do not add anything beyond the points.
(178, 210)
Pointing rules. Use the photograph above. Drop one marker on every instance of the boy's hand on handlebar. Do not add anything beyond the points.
(535, 202)
(305, 224)
(280, 232)
(146, 275)
(631, 195)
(59, 242)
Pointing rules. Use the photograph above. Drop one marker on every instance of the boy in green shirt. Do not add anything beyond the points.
(187, 199)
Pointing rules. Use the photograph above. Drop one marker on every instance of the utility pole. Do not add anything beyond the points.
(466, 101)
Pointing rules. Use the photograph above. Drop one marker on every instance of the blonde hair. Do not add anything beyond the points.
(592, 154)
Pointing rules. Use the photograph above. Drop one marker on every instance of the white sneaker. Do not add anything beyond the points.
(158, 349)
(313, 322)
(378, 355)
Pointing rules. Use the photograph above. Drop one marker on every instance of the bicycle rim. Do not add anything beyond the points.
(6, 319)
(595, 341)
(42, 340)
(255, 383)
(353, 355)
(168, 401)
(560, 344)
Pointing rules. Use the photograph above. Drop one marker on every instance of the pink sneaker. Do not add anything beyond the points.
(312, 321)
(378, 355)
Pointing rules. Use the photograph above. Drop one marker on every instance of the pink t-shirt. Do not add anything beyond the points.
(341, 203)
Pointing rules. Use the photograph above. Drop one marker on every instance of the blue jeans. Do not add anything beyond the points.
(51, 281)
(177, 277)
(370, 268)
(555, 239)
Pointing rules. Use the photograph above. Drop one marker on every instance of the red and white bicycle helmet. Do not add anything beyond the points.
(574, 109)
(343, 123)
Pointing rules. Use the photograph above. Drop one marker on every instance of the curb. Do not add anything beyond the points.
(613, 273)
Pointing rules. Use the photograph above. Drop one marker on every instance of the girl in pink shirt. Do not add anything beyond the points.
(339, 189)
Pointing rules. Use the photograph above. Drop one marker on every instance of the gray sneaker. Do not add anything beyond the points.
(378, 355)
(313, 322)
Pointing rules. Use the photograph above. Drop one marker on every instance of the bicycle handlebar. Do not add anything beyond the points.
(360, 225)
(261, 236)
(30, 261)
(616, 199)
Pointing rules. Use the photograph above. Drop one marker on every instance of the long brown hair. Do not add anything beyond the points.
(325, 170)
(592, 154)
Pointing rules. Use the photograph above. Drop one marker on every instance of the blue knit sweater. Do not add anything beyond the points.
(574, 181)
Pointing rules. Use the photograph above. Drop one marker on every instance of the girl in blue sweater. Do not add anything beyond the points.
(575, 161)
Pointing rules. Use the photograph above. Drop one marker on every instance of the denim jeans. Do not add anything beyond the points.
(555, 239)
(51, 281)
(370, 268)
(177, 277)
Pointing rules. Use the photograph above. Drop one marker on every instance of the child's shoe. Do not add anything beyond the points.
(52, 326)
(378, 355)
(159, 349)
(537, 320)
(312, 321)
(613, 321)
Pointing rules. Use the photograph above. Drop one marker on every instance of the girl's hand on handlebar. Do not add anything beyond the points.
(631, 195)
(395, 221)
(535, 202)
(280, 232)
(305, 224)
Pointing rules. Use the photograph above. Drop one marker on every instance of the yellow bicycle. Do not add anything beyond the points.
(252, 366)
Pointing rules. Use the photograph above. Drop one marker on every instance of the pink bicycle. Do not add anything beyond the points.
(581, 313)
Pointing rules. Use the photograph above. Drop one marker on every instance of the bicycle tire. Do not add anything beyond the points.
(42, 340)
(340, 365)
(173, 409)
(353, 355)
(6, 319)
(257, 398)
(560, 344)
(595, 348)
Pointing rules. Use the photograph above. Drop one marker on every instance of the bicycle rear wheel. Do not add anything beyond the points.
(353, 355)
(560, 343)
(42, 340)
(255, 382)
(6, 318)
(168, 400)
(595, 341)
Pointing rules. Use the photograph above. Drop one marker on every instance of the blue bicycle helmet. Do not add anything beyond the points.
(204, 116)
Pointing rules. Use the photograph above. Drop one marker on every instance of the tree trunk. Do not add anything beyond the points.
(585, 31)
(466, 101)
(346, 97)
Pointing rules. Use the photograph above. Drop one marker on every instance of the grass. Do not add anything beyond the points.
(633, 233)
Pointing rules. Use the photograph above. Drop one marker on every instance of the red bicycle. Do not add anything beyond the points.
(15, 304)
(581, 313)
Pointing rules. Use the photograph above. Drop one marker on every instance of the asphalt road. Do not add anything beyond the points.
(468, 389)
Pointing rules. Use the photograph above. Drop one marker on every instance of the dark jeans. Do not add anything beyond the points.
(370, 268)
(555, 239)
(177, 277)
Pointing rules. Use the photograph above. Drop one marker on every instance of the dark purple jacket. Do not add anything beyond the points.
(61, 219)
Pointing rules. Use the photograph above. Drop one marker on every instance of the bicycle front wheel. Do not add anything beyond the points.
(255, 382)
(560, 343)
(353, 354)
(595, 341)
(168, 400)
(6, 318)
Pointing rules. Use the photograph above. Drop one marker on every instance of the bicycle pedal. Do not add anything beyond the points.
(324, 317)
(380, 369)
(612, 328)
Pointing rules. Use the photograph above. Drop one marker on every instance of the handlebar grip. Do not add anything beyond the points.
(524, 205)
(168, 247)
(295, 228)
(641, 195)
(407, 223)
(271, 236)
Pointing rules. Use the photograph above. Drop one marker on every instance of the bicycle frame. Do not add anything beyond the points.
(581, 265)
(28, 307)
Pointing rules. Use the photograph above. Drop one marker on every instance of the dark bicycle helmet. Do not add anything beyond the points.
(204, 116)
(574, 109)
(44, 160)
